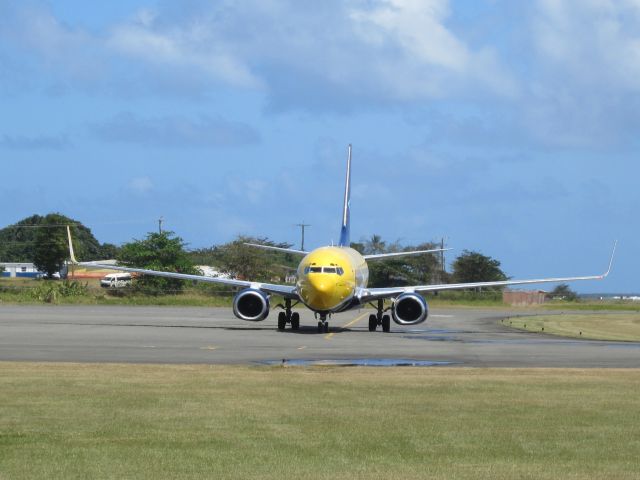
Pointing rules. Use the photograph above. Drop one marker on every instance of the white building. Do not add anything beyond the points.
(19, 269)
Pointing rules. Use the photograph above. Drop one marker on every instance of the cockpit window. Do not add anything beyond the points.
(338, 270)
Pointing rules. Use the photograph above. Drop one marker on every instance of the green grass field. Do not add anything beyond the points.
(25, 291)
(98, 421)
(598, 326)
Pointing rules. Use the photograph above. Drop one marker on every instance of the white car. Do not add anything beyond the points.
(116, 280)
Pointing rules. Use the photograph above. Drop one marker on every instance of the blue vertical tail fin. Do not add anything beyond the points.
(345, 230)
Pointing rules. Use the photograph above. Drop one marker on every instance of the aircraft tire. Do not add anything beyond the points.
(282, 320)
(326, 328)
(320, 327)
(295, 321)
(373, 323)
(386, 323)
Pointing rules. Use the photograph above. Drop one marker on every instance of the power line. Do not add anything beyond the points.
(114, 222)
(46, 225)
(33, 242)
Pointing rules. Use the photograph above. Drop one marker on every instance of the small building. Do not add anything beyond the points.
(19, 270)
(522, 298)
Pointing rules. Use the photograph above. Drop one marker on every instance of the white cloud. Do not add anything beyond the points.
(584, 89)
(74, 53)
(570, 80)
(417, 26)
(315, 55)
(594, 41)
(255, 190)
(41, 142)
(141, 185)
(176, 131)
(191, 47)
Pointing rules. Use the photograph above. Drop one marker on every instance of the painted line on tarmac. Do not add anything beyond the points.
(442, 316)
(344, 327)
(208, 347)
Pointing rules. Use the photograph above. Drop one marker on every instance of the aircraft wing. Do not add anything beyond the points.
(277, 249)
(370, 294)
(379, 256)
(288, 291)
(273, 288)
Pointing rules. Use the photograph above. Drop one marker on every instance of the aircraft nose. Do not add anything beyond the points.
(320, 292)
(320, 284)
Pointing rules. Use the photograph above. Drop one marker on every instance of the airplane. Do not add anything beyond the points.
(334, 279)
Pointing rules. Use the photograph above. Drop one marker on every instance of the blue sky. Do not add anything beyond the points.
(510, 128)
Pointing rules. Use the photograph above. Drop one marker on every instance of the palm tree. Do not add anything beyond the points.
(375, 245)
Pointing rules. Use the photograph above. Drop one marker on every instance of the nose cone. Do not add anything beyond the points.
(323, 292)
(321, 284)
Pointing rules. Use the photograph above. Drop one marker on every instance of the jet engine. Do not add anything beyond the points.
(251, 305)
(409, 309)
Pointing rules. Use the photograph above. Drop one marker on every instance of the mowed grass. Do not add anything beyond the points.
(598, 326)
(127, 421)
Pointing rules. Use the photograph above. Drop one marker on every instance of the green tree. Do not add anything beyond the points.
(18, 241)
(108, 251)
(246, 262)
(158, 251)
(375, 245)
(475, 267)
(398, 271)
(50, 249)
(563, 292)
(425, 269)
(358, 246)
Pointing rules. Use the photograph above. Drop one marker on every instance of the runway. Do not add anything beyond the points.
(461, 337)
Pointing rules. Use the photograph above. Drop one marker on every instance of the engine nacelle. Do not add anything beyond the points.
(409, 309)
(251, 305)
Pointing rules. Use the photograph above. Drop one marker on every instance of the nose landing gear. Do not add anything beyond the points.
(323, 323)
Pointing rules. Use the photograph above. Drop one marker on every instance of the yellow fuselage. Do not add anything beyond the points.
(329, 276)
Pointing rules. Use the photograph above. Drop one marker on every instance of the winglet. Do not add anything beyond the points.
(613, 252)
(345, 239)
(72, 255)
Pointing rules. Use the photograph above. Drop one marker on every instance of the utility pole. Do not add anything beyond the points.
(302, 227)
(440, 271)
(160, 220)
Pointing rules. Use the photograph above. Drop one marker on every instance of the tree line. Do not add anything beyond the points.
(42, 240)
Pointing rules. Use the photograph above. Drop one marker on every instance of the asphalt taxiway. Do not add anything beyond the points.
(465, 337)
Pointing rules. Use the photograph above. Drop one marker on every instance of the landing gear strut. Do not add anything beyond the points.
(323, 324)
(288, 317)
(379, 318)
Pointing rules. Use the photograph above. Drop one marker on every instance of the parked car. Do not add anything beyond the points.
(116, 280)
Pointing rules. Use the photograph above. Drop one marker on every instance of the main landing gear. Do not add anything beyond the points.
(288, 316)
(379, 318)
